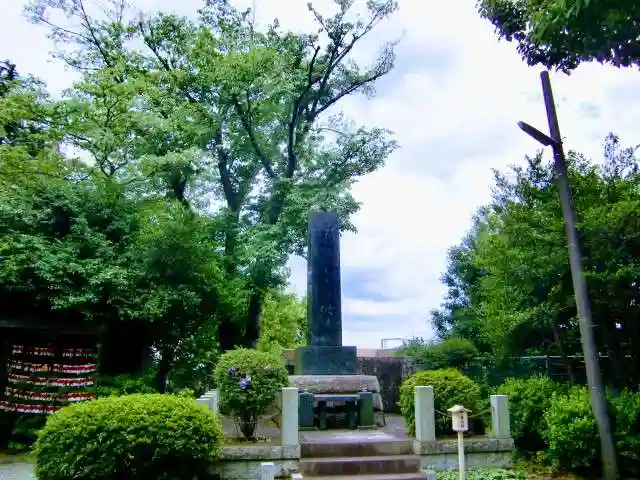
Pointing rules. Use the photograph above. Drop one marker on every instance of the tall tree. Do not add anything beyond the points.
(283, 323)
(522, 303)
(252, 109)
(92, 242)
(457, 316)
(562, 34)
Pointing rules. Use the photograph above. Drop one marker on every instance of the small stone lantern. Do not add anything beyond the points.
(460, 424)
(459, 418)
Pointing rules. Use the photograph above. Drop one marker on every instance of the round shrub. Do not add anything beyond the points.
(450, 387)
(249, 381)
(529, 398)
(136, 436)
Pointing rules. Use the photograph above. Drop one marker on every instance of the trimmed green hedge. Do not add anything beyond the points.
(137, 436)
(450, 387)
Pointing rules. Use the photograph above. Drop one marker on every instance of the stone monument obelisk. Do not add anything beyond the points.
(325, 355)
(325, 371)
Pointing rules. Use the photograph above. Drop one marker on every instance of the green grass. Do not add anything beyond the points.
(484, 474)
(521, 472)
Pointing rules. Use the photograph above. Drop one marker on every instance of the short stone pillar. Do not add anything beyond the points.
(289, 428)
(305, 410)
(365, 403)
(214, 401)
(267, 471)
(425, 414)
(500, 421)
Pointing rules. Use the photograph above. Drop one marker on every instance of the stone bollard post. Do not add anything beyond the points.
(366, 409)
(214, 401)
(425, 414)
(267, 471)
(289, 428)
(305, 410)
(500, 421)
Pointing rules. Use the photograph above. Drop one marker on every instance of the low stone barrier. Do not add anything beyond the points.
(250, 462)
(244, 462)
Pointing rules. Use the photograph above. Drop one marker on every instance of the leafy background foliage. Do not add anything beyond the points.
(161, 196)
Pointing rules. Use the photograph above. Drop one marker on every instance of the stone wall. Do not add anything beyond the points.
(243, 462)
(479, 451)
(390, 372)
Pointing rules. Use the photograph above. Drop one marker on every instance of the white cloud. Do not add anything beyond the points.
(453, 102)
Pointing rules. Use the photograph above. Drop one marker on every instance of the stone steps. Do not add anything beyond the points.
(376, 465)
(356, 449)
(393, 476)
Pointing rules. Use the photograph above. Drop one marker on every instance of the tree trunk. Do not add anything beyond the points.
(124, 349)
(253, 322)
(616, 358)
(557, 339)
(227, 334)
(164, 368)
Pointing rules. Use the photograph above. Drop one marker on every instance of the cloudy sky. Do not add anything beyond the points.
(453, 102)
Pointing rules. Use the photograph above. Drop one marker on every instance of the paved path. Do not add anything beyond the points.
(17, 471)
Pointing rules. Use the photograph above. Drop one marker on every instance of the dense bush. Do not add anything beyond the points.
(572, 437)
(529, 398)
(136, 436)
(249, 382)
(18, 432)
(124, 385)
(626, 408)
(450, 387)
(570, 431)
(451, 353)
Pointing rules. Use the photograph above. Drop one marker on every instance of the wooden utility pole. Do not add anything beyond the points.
(583, 307)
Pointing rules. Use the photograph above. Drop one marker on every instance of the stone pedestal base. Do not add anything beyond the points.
(316, 360)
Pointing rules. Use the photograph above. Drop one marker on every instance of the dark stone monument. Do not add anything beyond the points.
(325, 355)
(326, 373)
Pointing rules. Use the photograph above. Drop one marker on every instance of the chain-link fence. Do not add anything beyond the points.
(555, 367)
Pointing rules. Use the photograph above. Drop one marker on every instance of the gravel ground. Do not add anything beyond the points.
(17, 471)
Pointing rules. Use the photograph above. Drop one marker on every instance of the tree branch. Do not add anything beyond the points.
(96, 42)
(223, 168)
(352, 88)
(246, 123)
(292, 158)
